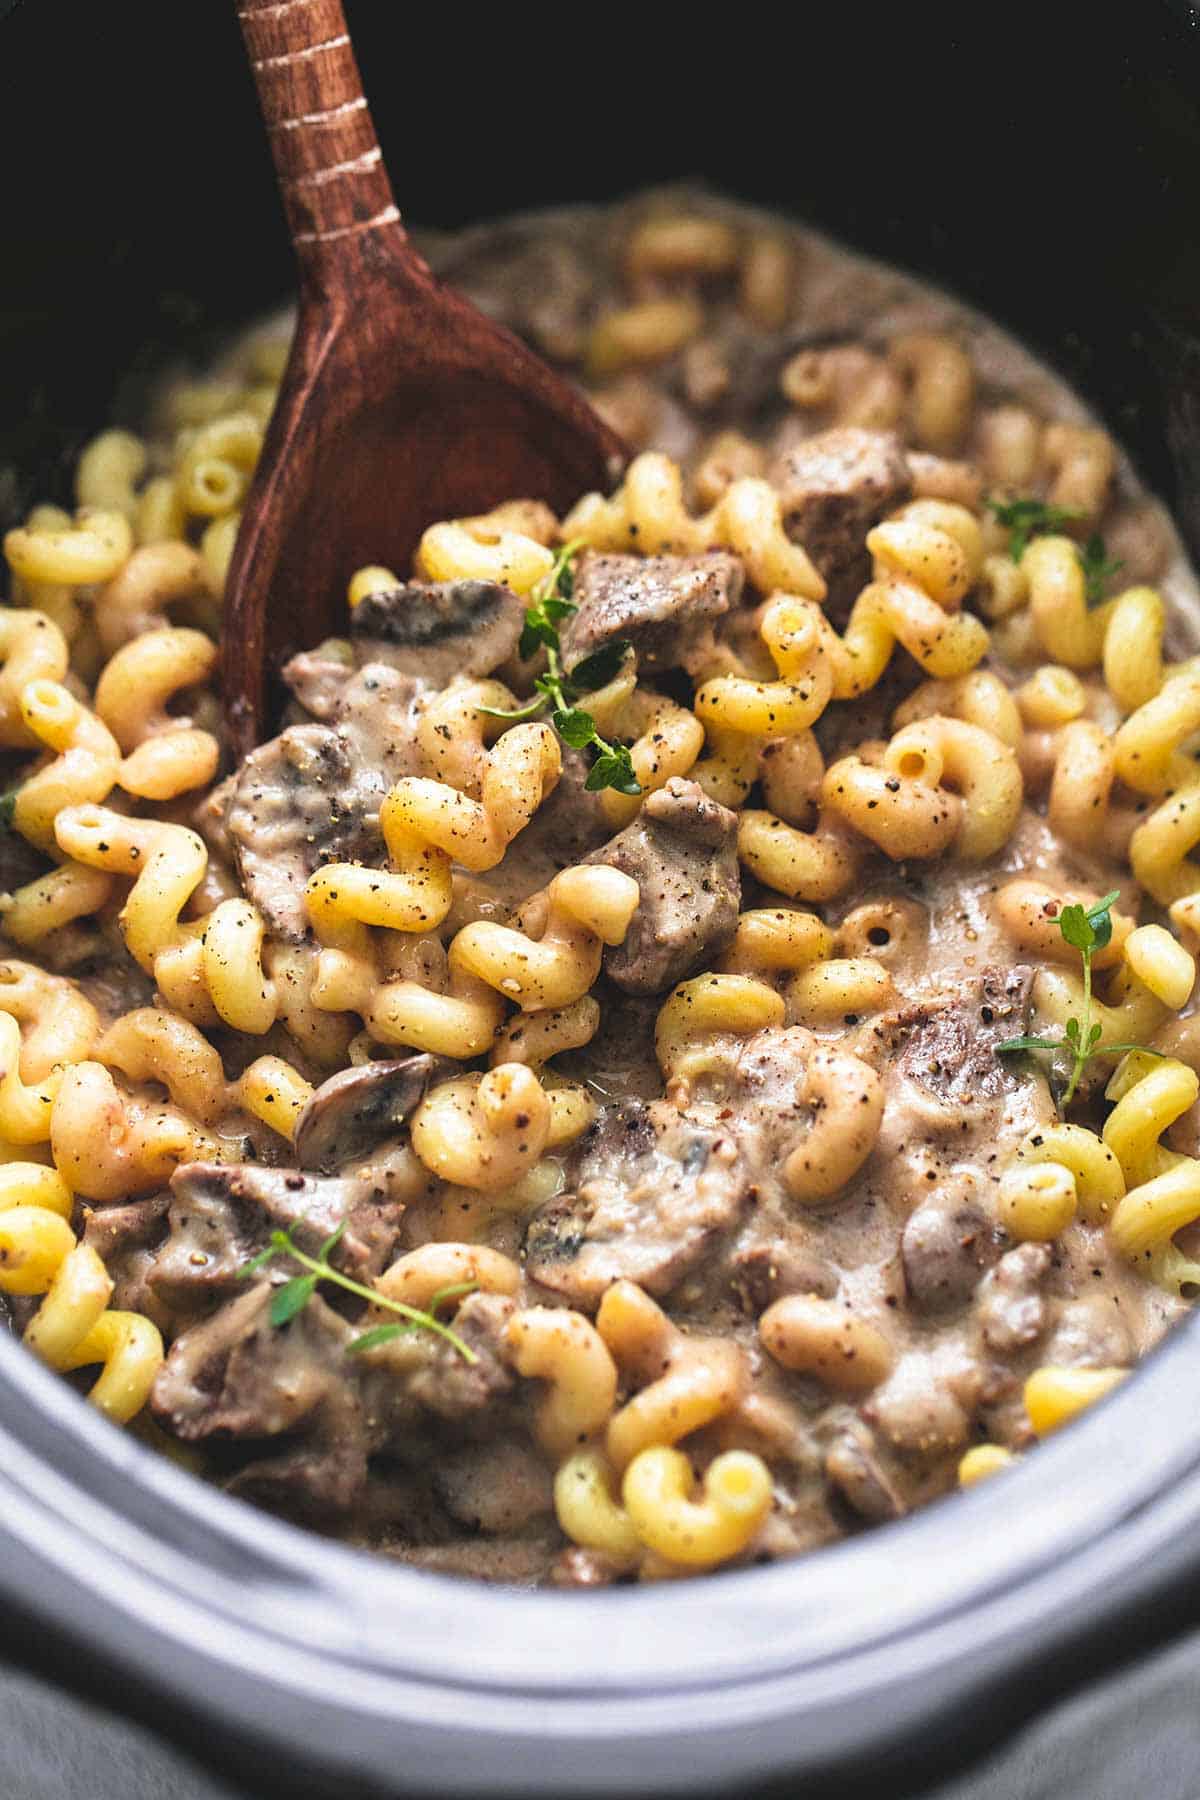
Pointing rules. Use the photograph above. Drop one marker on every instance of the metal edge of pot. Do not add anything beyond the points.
(410, 1682)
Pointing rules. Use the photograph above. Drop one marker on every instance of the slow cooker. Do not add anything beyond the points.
(1044, 161)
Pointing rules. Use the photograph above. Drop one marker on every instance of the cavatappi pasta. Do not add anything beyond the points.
(673, 1198)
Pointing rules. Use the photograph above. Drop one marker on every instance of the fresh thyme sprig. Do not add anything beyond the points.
(1086, 929)
(551, 603)
(290, 1299)
(1098, 568)
(1027, 519)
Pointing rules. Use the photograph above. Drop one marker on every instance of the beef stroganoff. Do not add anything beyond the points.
(681, 1047)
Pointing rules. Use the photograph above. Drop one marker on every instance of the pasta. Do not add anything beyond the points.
(74, 1326)
(682, 1043)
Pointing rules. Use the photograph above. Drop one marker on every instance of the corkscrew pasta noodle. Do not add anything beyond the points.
(681, 1043)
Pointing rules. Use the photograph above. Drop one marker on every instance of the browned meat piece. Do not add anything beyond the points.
(731, 373)
(768, 1086)
(541, 287)
(945, 1250)
(127, 1239)
(949, 1045)
(438, 629)
(222, 1214)
(318, 679)
(852, 1469)
(682, 852)
(357, 1109)
(1012, 1310)
(762, 1273)
(300, 801)
(567, 826)
(442, 1381)
(312, 795)
(664, 605)
(648, 1189)
(833, 488)
(237, 1377)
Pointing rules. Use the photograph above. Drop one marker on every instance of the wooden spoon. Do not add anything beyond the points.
(400, 405)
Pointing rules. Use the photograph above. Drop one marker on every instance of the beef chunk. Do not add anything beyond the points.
(763, 1273)
(442, 1381)
(566, 828)
(833, 488)
(682, 852)
(542, 288)
(1012, 1309)
(319, 679)
(222, 1214)
(322, 1413)
(312, 795)
(127, 1239)
(356, 1110)
(438, 629)
(299, 802)
(237, 1377)
(731, 373)
(949, 1045)
(648, 1189)
(852, 1469)
(945, 1250)
(664, 606)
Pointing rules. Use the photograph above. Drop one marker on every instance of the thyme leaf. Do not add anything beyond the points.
(288, 1301)
(1098, 569)
(560, 689)
(1086, 929)
(1026, 519)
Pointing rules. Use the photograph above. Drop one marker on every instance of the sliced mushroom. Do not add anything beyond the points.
(439, 629)
(358, 1109)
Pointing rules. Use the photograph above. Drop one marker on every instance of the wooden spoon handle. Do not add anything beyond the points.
(327, 157)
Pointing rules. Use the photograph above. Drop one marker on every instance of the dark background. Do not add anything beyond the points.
(1042, 159)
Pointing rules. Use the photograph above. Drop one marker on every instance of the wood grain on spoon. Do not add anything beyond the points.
(401, 404)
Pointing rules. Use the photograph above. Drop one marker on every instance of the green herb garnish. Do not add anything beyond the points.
(291, 1299)
(1025, 519)
(613, 766)
(8, 806)
(1098, 568)
(1086, 930)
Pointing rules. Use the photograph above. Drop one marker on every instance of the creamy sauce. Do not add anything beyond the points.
(423, 1460)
